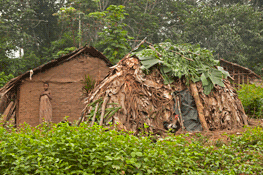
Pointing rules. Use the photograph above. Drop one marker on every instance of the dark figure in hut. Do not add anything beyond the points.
(45, 107)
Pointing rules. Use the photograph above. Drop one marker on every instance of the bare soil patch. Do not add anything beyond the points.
(212, 137)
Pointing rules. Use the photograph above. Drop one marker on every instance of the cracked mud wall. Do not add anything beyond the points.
(65, 82)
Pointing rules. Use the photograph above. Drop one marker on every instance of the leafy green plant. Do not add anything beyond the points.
(109, 112)
(251, 97)
(89, 83)
(66, 51)
(69, 15)
(113, 38)
(5, 78)
(191, 61)
(65, 149)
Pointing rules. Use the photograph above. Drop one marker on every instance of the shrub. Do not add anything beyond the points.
(5, 78)
(64, 149)
(251, 97)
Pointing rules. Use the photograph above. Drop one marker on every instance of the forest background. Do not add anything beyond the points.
(33, 32)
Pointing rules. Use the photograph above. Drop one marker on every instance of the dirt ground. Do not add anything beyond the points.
(222, 135)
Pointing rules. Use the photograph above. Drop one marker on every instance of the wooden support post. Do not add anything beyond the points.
(178, 105)
(238, 79)
(3, 101)
(243, 77)
(94, 115)
(104, 104)
(248, 79)
(199, 105)
(7, 112)
(233, 84)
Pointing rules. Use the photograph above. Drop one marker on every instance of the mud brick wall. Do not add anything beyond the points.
(65, 83)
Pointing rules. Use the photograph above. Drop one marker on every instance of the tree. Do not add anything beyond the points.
(29, 26)
(113, 38)
(234, 33)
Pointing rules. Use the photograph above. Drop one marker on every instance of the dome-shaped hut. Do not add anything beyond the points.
(142, 93)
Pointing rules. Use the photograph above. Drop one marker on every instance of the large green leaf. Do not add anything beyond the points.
(216, 77)
(208, 88)
(204, 80)
(192, 62)
(225, 73)
(149, 63)
(166, 69)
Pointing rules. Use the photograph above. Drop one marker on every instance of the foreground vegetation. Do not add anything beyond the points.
(64, 149)
(251, 97)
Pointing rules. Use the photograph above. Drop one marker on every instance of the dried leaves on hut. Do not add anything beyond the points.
(166, 87)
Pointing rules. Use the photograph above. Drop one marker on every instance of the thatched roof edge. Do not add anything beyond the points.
(91, 50)
(241, 67)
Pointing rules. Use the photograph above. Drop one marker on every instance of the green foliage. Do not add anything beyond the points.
(234, 32)
(89, 83)
(45, 27)
(251, 97)
(66, 51)
(66, 13)
(21, 65)
(28, 25)
(190, 61)
(5, 78)
(64, 149)
(109, 112)
(113, 38)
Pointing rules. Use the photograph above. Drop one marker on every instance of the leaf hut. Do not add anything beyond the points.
(135, 101)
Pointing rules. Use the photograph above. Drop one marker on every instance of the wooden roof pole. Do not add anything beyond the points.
(199, 105)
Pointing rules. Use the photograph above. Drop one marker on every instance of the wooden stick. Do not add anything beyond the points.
(148, 43)
(238, 79)
(159, 55)
(11, 111)
(10, 121)
(243, 78)
(105, 101)
(182, 55)
(139, 44)
(81, 118)
(84, 111)
(6, 113)
(199, 105)
(94, 116)
(3, 100)
(180, 113)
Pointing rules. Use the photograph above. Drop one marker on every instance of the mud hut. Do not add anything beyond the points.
(138, 101)
(66, 78)
(240, 74)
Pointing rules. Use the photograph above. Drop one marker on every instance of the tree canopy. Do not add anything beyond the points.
(36, 31)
